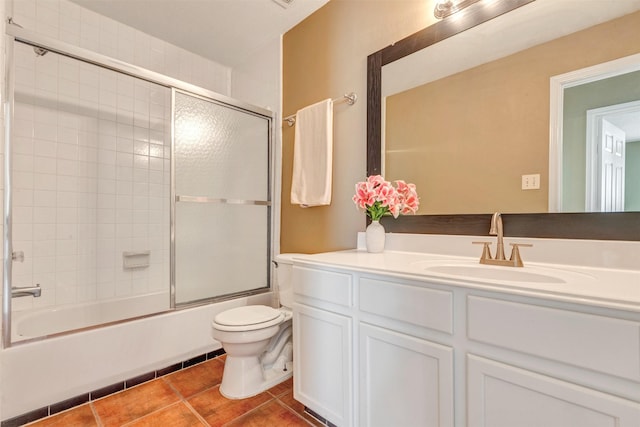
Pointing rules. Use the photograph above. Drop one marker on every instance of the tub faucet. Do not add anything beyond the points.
(496, 230)
(26, 291)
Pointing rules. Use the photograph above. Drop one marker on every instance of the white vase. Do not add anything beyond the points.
(375, 237)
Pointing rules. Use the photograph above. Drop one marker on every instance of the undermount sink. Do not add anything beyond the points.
(511, 274)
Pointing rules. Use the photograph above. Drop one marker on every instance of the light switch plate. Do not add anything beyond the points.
(531, 182)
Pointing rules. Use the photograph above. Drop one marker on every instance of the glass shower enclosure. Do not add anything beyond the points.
(127, 193)
(222, 210)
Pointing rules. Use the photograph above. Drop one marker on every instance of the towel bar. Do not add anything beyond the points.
(349, 98)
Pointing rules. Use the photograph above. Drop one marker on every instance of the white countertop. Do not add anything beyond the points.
(603, 287)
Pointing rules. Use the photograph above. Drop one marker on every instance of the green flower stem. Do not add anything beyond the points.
(377, 211)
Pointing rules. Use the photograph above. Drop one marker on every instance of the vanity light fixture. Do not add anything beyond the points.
(445, 8)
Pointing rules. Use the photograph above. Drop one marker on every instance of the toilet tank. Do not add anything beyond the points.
(283, 278)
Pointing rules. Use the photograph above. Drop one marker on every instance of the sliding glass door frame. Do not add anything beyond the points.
(14, 33)
(175, 198)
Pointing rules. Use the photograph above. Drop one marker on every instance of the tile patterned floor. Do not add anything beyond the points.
(189, 397)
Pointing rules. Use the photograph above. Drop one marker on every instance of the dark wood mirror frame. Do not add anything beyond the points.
(597, 226)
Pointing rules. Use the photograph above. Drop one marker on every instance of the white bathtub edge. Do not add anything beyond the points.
(42, 373)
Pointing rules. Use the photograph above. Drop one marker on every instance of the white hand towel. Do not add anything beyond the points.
(313, 155)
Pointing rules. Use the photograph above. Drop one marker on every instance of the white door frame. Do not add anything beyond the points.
(594, 118)
(558, 84)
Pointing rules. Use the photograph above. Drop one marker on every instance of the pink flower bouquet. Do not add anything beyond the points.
(379, 197)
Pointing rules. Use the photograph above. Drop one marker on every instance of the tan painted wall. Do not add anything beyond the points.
(467, 139)
(324, 57)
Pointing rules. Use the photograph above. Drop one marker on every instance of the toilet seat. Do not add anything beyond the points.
(248, 318)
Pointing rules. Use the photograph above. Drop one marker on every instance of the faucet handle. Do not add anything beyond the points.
(515, 253)
(486, 251)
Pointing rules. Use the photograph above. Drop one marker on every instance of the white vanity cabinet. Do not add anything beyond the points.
(501, 395)
(377, 349)
(404, 379)
(343, 321)
(323, 343)
(571, 346)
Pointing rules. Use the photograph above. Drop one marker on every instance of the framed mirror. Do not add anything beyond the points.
(458, 57)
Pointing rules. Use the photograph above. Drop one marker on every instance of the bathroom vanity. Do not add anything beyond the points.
(435, 339)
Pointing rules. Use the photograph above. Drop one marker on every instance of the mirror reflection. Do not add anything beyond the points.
(601, 145)
(472, 134)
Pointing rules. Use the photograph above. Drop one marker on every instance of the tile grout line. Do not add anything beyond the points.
(273, 395)
(287, 407)
(128, 423)
(170, 385)
(248, 412)
(274, 398)
(95, 414)
(196, 413)
(179, 395)
(180, 398)
(184, 399)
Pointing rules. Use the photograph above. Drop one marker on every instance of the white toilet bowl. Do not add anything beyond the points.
(246, 334)
(257, 340)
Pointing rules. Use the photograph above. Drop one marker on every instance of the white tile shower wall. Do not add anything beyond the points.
(88, 184)
(91, 157)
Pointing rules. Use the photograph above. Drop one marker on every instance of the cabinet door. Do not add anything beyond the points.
(404, 381)
(323, 370)
(500, 395)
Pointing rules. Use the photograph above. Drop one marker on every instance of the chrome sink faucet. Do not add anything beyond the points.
(496, 229)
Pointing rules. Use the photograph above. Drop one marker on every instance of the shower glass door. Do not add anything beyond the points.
(125, 196)
(222, 199)
(89, 168)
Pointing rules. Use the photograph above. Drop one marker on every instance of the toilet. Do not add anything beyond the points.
(258, 340)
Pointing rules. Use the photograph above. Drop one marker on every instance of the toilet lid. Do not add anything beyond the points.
(247, 315)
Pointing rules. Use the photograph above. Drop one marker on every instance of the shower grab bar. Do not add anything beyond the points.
(202, 199)
(26, 291)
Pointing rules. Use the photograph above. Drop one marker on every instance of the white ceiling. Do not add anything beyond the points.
(226, 31)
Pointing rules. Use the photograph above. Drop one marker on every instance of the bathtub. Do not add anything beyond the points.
(38, 373)
(44, 322)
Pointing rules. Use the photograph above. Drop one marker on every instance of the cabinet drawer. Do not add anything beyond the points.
(323, 285)
(590, 341)
(430, 308)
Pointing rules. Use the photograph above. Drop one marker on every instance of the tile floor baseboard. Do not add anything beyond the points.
(64, 405)
(189, 397)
